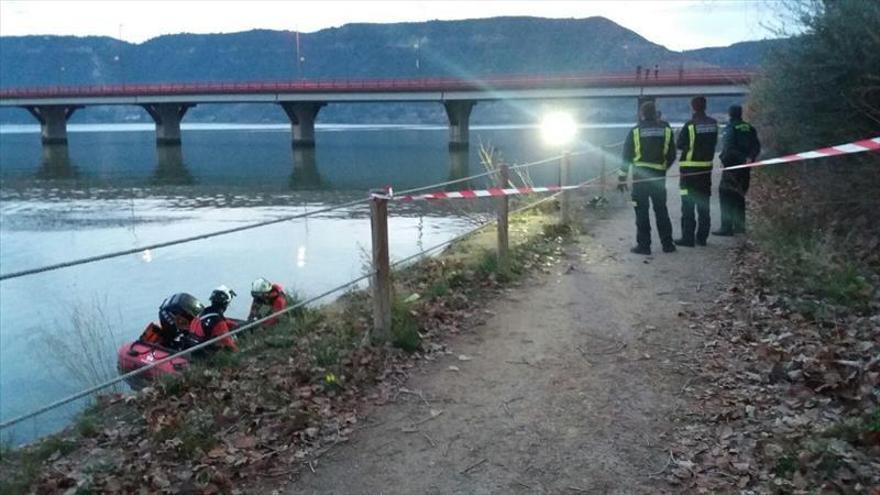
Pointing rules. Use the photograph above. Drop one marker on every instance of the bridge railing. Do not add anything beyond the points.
(505, 82)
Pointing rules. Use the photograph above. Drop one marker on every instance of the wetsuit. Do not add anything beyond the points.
(740, 145)
(648, 151)
(697, 141)
(261, 308)
(211, 323)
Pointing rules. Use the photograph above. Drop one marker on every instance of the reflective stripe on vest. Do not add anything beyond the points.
(655, 166)
(692, 139)
(637, 147)
(689, 162)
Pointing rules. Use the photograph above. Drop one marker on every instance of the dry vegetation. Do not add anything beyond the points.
(291, 394)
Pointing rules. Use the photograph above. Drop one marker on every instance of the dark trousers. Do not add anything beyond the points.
(732, 194)
(655, 192)
(695, 193)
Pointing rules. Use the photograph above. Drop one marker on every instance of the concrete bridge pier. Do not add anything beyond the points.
(459, 114)
(302, 116)
(305, 175)
(56, 163)
(167, 117)
(53, 121)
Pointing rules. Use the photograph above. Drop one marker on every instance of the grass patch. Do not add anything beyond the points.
(404, 327)
(20, 467)
(817, 266)
(191, 437)
(786, 466)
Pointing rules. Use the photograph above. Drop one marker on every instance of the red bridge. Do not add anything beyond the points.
(167, 103)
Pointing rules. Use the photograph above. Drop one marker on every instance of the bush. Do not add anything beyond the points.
(821, 87)
(404, 327)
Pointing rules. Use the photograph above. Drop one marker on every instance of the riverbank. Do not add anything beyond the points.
(293, 392)
(784, 395)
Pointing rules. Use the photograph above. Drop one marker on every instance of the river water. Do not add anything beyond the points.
(112, 189)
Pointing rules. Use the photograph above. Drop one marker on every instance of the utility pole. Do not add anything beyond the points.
(299, 58)
(417, 46)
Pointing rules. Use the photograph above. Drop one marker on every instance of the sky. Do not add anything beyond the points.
(676, 24)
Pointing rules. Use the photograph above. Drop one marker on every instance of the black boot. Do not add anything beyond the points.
(723, 232)
(701, 242)
(641, 250)
(669, 248)
(684, 242)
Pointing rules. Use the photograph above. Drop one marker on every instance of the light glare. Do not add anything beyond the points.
(558, 128)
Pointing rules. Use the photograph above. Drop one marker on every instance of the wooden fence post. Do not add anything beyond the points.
(381, 281)
(503, 209)
(565, 197)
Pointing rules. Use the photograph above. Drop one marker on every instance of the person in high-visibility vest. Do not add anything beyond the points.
(696, 140)
(740, 145)
(649, 150)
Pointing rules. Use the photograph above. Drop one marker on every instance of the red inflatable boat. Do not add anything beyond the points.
(136, 355)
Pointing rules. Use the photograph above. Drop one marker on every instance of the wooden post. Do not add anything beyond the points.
(565, 197)
(381, 281)
(503, 209)
(602, 183)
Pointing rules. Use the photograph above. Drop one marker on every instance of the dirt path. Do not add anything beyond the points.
(568, 388)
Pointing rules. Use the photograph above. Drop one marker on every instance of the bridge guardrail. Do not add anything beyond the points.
(517, 81)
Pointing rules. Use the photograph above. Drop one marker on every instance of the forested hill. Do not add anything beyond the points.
(501, 45)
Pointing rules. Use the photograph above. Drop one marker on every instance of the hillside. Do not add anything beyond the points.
(469, 48)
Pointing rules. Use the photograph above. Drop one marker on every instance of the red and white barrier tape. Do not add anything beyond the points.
(872, 144)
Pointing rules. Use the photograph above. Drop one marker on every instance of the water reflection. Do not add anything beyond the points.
(55, 163)
(305, 175)
(459, 167)
(170, 169)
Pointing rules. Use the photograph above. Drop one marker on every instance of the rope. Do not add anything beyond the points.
(116, 254)
(184, 352)
(255, 323)
(488, 223)
(487, 173)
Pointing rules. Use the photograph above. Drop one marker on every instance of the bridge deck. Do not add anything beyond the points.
(707, 82)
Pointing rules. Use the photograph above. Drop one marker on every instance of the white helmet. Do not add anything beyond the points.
(260, 287)
(222, 295)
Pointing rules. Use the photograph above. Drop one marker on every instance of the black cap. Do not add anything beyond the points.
(735, 112)
(648, 110)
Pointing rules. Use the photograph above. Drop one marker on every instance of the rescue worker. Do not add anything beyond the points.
(739, 145)
(212, 321)
(649, 151)
(175, 317)
(696, 140)
(268, 298)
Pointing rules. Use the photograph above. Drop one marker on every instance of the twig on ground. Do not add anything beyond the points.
(576, 489)
(417, 393)
(686, 384)
(662, 470)
(429, 440)
(433, 415)
(603, 352)
(474, 465)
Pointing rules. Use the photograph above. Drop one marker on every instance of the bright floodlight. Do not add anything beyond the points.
(558, 128)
